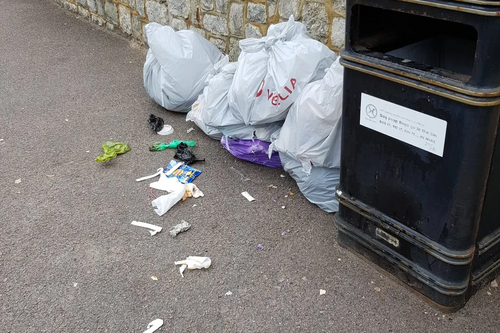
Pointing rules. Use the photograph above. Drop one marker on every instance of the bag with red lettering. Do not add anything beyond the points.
(273, 70)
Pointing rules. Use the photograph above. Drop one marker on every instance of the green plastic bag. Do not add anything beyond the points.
(111, 150)
(159, 146)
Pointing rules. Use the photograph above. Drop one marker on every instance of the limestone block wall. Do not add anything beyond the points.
(223, 22)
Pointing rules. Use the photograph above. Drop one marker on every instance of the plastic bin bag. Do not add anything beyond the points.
(273, 70)
(318, 187)
(212, 114)
(311, 133)
(254, 151)
(177, 65)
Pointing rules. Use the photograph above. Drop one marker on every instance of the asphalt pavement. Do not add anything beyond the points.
(71, 262)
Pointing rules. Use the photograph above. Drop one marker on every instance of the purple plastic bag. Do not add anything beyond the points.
(254, 151)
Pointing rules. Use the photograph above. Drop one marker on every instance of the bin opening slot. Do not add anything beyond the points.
(424, 43)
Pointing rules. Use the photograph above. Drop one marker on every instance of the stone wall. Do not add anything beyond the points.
(224, 22)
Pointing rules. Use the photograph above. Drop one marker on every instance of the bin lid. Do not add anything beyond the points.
(425, 86)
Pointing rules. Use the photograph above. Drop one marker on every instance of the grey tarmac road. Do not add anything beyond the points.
(71, 262)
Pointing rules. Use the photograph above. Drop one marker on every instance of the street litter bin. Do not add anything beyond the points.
(419, 190)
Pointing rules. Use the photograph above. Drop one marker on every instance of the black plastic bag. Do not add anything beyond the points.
(156, 123)
(185, 154)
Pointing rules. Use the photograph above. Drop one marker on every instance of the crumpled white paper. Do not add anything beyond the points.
(194, 191)
(193, 262)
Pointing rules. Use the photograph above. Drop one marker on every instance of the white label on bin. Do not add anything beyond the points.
(407, 125)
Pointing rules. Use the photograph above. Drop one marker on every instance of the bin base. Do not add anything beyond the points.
(352, 239)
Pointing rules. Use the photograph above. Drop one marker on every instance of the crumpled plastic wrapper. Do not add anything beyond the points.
(181, 227)
(111, 150)
(193, 262)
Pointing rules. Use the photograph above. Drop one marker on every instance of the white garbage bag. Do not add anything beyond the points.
(195, 115)
(318, 187)
(217, 112)
(273, 70)
(311, 133)
(213, 115)
(177, 65)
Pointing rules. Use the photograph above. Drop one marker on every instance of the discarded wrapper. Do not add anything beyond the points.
(154, 325)
(185, 173)
(165, 184)
(163, 203)
(192, 191)
(166, 130)
(193, 262)
(248, 196)
(159, 171)
(181, 227)
(153, 228)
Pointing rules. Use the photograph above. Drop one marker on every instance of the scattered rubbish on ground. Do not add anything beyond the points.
(377, 289)
(292, 194)
(272, 186)
(193, 262)
(229, 293)
(255, 151)
(184, 173)
(153, 229)
(175, 76)
(248, 196)
(192, 191)
(181, 227)
(160, 146)
(1, 140)
(111, 150)
(489, 294)
(157, 124)
(166, 130)
(243, 178)
(322, 292)
(49, 176)
(165, 183)
(260, 247)
(155, 278)
(163, 203)
(494, 284)
(189, 130)
(185, 154)
(18, 181)
(282, 176)
(283, 233)
(283, 207)
(75, 284)
(154, 325)
(158, 172)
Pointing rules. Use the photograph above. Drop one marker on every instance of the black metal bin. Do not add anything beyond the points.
(419, 187)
